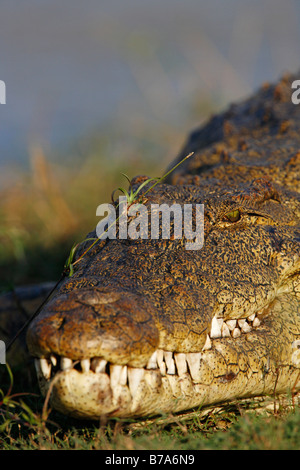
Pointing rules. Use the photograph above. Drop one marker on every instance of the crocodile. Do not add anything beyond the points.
(145, 327)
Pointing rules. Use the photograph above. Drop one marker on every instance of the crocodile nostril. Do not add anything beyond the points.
(62, 323)
(97, 297)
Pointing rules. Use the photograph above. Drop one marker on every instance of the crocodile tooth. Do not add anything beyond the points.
(231, 324)
(160, 361)
(241, 322)
(215, 331)
(225, 330)
(256, 322)
(193, 360)
(251, 317)
(115, 373)
(98, 365)
(168, 356)
(37, 365)
(53, 360)
(207, 344)
(246, 327)
(66, 363)
(45, 368)
(135, 376)
(180, 361)
(152, 363)
(85, 365)
(123, 375)
(236, 333)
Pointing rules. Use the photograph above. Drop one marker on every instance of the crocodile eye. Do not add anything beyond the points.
(233, 216)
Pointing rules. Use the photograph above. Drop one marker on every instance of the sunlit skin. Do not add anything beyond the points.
(144, 327)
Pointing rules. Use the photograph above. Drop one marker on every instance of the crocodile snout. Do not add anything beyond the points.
(90, 323)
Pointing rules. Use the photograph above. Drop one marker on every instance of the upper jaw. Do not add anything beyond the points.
(120, 330)
(101, 328)
(167, 362)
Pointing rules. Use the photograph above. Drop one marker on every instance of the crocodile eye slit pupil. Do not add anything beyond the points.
(233, 216)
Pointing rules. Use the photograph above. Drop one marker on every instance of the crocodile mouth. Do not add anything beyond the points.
(106, 352)
(91, 387)
(166, 362)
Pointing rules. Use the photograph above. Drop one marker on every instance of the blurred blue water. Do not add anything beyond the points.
(72, 66)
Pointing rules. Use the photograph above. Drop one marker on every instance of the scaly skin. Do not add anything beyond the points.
(148, 326)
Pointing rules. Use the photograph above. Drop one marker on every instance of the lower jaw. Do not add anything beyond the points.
(86, 395)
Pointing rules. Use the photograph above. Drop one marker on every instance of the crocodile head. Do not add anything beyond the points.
(146, 326)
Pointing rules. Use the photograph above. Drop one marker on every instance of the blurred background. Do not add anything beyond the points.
(100, 87)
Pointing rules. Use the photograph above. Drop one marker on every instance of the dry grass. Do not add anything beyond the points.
(50, 207)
